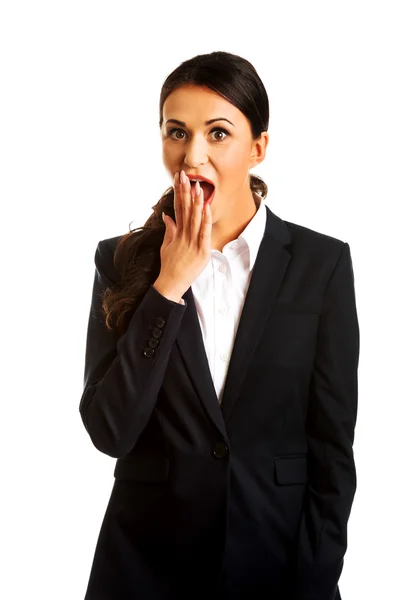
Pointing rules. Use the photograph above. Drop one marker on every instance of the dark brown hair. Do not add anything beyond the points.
(137, 254)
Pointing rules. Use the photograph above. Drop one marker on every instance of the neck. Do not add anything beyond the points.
(224, 231)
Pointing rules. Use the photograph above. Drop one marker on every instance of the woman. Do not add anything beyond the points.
(229, 483)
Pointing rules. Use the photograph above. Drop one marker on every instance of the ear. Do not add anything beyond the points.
(259, 149)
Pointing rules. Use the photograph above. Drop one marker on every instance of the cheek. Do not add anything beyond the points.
(235, 164)
(235, 155)
(170, 155)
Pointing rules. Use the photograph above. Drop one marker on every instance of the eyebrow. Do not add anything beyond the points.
(206, 122)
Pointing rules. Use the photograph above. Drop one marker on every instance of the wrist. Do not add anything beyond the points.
(168, 290)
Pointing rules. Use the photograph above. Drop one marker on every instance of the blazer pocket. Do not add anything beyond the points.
(290, 470)
(142, 468)
(307, 308)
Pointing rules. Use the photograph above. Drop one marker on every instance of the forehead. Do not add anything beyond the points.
(190, 103)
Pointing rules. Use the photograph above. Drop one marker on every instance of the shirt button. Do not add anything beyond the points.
(224, 356)
(222, 310)
(222, 269)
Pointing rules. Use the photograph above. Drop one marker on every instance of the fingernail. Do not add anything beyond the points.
(162, 215)
(183, 176)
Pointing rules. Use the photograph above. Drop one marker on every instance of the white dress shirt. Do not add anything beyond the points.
(220, 291)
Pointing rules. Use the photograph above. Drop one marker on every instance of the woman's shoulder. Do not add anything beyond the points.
(301, 237)
(313, 239)
(107, 245)
(104, 258)
(312, 247)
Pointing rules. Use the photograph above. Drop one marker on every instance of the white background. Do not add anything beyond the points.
(81, 159)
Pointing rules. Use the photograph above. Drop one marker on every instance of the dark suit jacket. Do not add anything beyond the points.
(250, 499)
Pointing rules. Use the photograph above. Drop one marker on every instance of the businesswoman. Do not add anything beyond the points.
(221, 371)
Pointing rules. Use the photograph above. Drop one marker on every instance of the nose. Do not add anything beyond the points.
(195, 155)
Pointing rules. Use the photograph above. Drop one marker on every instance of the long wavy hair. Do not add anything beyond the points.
(137, 253)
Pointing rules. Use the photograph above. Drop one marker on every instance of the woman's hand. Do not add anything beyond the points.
(186, 248)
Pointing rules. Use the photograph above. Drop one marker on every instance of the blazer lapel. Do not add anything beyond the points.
(269, 269)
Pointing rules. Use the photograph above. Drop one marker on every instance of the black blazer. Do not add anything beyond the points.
(250, 499)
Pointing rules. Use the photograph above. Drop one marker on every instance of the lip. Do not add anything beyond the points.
(192, 176)
(211, 198)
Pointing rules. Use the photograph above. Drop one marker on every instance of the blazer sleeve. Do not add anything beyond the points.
(331, 419)
(121, 384)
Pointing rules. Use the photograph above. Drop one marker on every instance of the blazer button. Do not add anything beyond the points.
(148, 352)
(220, 449)
(152, 342)
(160, 322)
(156, 332)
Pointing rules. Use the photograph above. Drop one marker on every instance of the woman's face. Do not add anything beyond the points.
(222, 151)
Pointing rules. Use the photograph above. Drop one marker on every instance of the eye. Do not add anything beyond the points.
(171, 131)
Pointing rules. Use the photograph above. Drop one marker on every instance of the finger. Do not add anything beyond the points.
(206, 229)
(177, 201)
(186, 203)
(197, 212)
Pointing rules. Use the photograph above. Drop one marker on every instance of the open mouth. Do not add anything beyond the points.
(208, 190)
